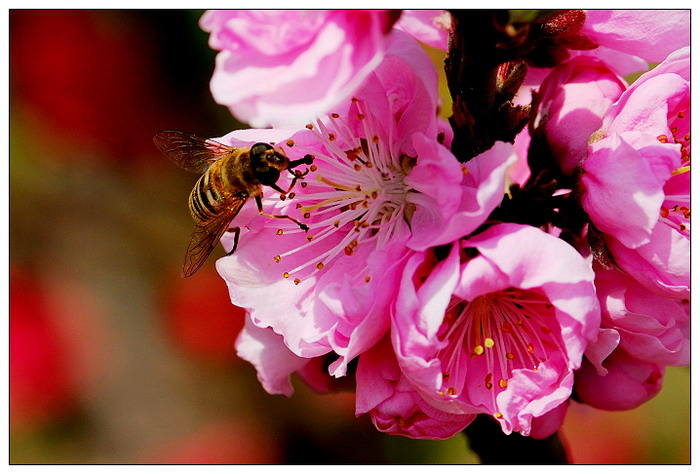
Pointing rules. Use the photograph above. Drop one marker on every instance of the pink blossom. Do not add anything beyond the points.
(570, 105)
(628, 382)
(625, 39)
(287, 67)
(429, 26)
(519, 171)
(393, 403)
(275, 363)
(649, 34)
(381, 184)
(628, 40)
(636, 178)
(501, 333)
(267, 352)
(651, 327)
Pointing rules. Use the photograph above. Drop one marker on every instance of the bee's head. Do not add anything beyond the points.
(267, 163)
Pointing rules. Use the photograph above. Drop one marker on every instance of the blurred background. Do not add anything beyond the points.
(114, 358)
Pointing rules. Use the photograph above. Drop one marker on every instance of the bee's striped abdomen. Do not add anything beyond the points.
(204, 200)
(227, 179)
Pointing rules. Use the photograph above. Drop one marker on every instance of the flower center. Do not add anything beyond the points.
(358, 196)
(675, 211)
(488, 339)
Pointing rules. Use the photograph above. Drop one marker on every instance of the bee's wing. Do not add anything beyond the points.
(189, 151)
(205, 237)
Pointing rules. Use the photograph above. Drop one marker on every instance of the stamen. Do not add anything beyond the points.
(501, 332)
(360, 181)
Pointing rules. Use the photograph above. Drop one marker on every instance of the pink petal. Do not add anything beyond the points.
(270, 357)
(650, 34)
(483, 188)
(429, 26)
(623, 192)
(628, 383)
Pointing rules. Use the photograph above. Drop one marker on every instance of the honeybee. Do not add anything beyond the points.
(230, 175)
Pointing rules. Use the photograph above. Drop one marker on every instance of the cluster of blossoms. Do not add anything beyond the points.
(418, 280)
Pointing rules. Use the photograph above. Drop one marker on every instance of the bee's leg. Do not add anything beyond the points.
(282, 191)
(258, 201)
(307, 160)
(237, 230)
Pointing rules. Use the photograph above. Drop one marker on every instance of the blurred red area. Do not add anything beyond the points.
(593, 438)
(57, 348)
(41, 385)
(223, 442)
(95, 79)
(199, 316)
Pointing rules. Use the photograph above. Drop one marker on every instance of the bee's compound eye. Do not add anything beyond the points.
(259, 149)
